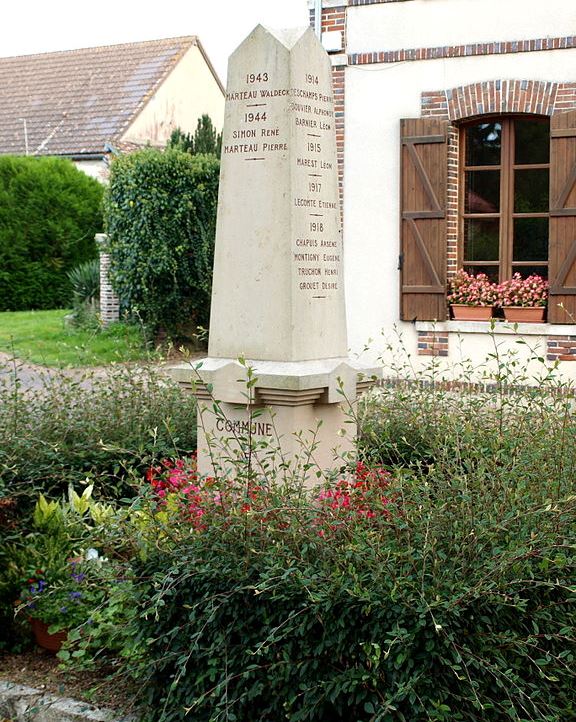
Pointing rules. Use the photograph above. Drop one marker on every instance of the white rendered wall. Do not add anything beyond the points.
(188, 92)
(94, 168)
(475, 349)
(432, 23)
(377, 97)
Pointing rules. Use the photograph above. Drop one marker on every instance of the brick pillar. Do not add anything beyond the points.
(109, 302)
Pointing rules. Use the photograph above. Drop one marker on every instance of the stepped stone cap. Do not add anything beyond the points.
(338, 377)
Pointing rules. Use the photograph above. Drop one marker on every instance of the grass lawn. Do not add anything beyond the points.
(43, 338)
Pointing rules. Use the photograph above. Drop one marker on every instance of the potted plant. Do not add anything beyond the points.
(57, 600)
(471, 298)
(524, 300)
(56, 593)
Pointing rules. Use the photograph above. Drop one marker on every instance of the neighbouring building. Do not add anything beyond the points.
(456, 126)
(88, 104)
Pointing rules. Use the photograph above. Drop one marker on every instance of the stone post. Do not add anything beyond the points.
(109, 302)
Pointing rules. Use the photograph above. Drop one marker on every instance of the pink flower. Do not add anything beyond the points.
(471, 290)
(516, 291)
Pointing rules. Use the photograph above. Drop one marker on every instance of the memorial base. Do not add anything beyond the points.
(280, 442)
(293, 420)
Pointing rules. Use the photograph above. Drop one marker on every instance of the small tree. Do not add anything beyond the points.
(160, 212)
(49, 213)
(181, 141)
(205, 140)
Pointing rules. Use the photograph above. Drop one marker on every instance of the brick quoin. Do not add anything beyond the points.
(334, 19)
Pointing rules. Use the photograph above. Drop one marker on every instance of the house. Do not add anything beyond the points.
(457, 149)
(90, 103)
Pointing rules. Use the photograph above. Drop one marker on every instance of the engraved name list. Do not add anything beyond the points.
(261, 135)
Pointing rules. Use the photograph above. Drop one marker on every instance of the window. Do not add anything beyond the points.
(504, 219)
(517, 192)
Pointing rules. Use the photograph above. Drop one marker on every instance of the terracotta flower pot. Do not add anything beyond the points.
(51, 642)
(524, 314)
(461, 312)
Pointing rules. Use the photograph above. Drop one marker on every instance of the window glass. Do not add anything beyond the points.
(530, 239)
(531, 141)
(490, 271)
(505, 196)
(482, 239)
(483, 144)
(482, 194)
(526, 271)
(531, 191)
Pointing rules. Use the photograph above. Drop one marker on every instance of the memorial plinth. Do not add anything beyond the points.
(278, 286)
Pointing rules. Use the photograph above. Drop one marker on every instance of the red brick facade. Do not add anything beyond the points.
(462, 51)
(561, 348)
(499, 96)
(372, 2)
(431, 343)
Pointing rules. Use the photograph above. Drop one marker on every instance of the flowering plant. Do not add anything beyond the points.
(63, 598)
(518, 291)
(470, 290)
(178, 489)
(365, 496)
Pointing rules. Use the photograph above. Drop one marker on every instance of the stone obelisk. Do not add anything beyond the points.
(278, 288)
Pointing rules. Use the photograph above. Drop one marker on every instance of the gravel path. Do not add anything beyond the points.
(33, 377)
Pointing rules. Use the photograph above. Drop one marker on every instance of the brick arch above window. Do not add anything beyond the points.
(499, 97)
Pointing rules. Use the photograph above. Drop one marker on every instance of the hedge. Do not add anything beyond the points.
(49, 213)
(160, 214)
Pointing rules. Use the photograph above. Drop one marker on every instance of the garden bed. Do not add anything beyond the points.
(40, 670)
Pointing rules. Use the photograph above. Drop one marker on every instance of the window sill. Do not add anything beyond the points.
(498, 327)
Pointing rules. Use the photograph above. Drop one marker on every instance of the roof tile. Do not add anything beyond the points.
(74, 102)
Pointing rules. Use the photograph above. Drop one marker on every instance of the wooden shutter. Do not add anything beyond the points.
(423, 169)
(562, 249)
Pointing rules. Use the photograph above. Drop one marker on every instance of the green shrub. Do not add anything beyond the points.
(99, 425)
(160, 213)
(204, 140)
(49, 213)
(456, 605)
(85, 282)
(105, 429)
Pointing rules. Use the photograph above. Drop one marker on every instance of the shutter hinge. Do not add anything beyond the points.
(400, 261)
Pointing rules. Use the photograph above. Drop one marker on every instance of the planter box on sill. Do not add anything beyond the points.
(462, 312)
(524, 314)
